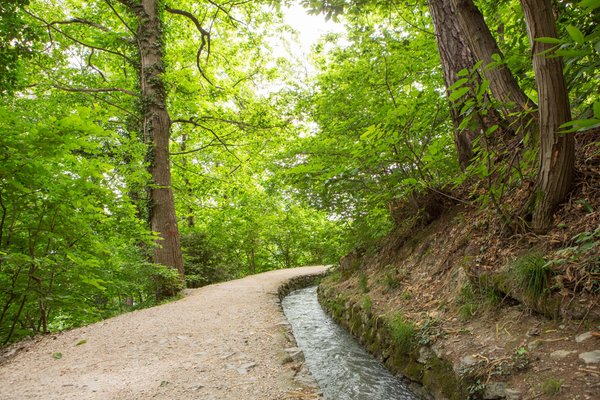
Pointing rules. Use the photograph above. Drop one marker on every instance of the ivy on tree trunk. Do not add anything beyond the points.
(156, 129)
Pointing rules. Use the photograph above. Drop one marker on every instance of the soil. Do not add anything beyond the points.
(224, 341)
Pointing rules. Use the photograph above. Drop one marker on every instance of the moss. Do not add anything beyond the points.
(439, 377)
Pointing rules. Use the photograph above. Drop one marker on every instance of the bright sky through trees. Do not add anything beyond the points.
(309, 27)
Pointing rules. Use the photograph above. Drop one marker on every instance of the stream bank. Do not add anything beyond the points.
(431, 301)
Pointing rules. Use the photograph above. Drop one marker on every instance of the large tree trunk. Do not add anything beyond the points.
(557, 152)
(156, 127)
(503, 85)
(455, 55)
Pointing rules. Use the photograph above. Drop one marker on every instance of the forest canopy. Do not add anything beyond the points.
(150, 145)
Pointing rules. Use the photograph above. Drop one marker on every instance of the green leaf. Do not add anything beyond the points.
(575, 34)
(590, 4)
(81, 342)
(458, 83)
(491, 129)
(580, 124)
(409, 181)
(463, 72)
(458, 93)
(550, 40)
(585, 204)
(482, 89)
(596, 108)
(573, 53)
(57, 355)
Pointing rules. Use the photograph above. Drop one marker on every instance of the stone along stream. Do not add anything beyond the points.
(341, 366)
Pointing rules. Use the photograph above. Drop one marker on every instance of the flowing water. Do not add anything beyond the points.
(341, 366)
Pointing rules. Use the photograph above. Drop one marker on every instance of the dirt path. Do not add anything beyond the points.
(223, 341)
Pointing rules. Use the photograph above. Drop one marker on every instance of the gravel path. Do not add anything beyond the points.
(223, 341)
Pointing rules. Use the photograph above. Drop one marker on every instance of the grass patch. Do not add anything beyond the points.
(390, 281)
(363, 283)
(367, 303)
(468, 302)
(335, 276)
(533, 274)
(403, 332)
(552, 386)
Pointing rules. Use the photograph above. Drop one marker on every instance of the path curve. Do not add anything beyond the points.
(224, 341)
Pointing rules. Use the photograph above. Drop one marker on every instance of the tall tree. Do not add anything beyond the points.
(557, 151)
(156, 126)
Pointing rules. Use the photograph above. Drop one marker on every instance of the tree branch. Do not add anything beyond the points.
(95, 90)
(51, 26)
(204, 36)
(80, 21)
(179, 153)
(92, 66)
(220, 7)
(199, 125)
(133, 32)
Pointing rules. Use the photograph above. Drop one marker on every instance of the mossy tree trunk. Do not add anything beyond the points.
(156, 130)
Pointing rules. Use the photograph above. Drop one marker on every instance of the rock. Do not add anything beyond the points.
(512, 394)
(295, 353)
(560, 354)
(465, 364)
(591, 357)
(534, 345)
(304, 377)
(425, 354)
(583, 337)
(533, 332)
(494, 390)
(437, 350)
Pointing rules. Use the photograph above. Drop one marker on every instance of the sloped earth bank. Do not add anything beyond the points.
(475, 306)
(224, 341)
(418, 303)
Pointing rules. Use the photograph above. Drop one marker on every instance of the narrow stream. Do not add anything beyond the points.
(343, 369)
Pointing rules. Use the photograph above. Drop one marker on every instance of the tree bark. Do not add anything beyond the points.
(503, 85)
(557, 151)
(156, 129)
(455, 55)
